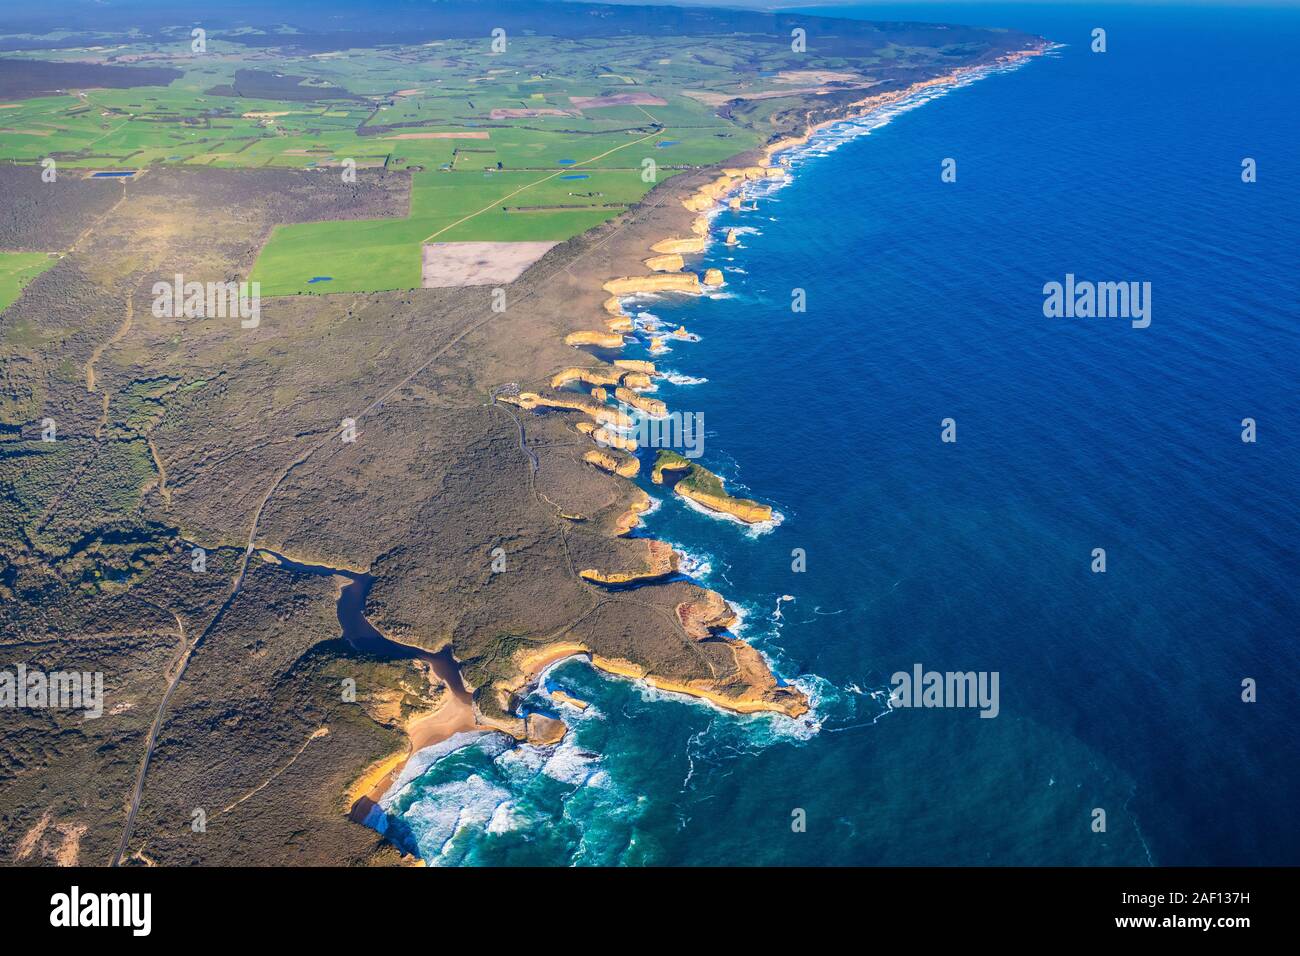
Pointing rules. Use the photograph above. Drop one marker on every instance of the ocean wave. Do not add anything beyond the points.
(420, 762)
(441, 813)
(679, 378)
(692, 565)
(572, 765)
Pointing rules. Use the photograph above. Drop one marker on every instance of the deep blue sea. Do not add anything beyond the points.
(1119, 691)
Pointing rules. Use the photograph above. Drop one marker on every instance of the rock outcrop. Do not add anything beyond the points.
(543, 731)
(661, 282)
(651, 406)
(561, 697)
(704, 617)
(632, 517)
(672, 262)
(605, 340)
(600, 375)
(607, 436)
(660, 562)
(702, 486)
(636, 365)
(570, 400)
(679, 246)
(625, 466)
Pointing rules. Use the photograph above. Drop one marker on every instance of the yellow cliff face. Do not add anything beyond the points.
(734, 202)
(713, 277)
(663, 282)
(752, 691)
(636, 365)
(619, 323)
(599, 394)
(632, 517)
(614, 307)
(543, 731)
(758, 696)
(588, 376)
(664, 464)
(607, 340)
(731, 233)
(702, 617)
(579, 403)
(561, 697)
(751, 512)
(705, 488)
(667, 263)
(661, 561)
(679, 246)
(612, 439)
(651, 406)
(624, 466)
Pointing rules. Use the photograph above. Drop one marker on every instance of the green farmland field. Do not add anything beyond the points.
(16, 270)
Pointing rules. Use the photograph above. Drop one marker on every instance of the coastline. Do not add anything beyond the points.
(702, 193)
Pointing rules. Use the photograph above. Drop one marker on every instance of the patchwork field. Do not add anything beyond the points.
(536, 144)
(448, 265)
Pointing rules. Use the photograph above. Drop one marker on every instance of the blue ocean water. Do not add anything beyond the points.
(1118, 691)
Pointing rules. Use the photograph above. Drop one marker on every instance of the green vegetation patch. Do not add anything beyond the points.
(16, 270)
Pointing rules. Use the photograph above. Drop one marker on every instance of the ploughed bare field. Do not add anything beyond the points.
(454, 264)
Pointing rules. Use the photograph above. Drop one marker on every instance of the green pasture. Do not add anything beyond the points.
(16, 270)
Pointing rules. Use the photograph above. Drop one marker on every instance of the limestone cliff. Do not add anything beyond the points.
(632, 517)
(561, 697)
(606, 340)
(651, 406)
(662, 282)
(660, 561)
(603, 375)
(703, 617)
(679, 246)
(625, 466)
(671, 262)
(570, 400)
(636, 365)
(705, 488)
